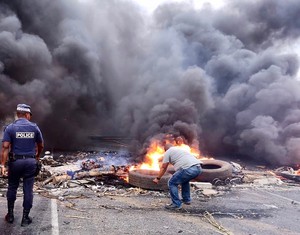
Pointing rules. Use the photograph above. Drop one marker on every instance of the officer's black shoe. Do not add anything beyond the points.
(26, 220)
(10, 215)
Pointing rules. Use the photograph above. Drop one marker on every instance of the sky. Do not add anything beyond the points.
(150, 5)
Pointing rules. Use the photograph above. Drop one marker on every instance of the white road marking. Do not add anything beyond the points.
(54, 217)
(282, 197)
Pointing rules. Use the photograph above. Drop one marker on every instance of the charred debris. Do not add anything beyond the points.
(69, 175)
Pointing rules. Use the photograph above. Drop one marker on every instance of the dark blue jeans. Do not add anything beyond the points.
(182, 177)
(21, 168)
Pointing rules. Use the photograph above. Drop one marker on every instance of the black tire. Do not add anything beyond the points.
(144, 179)
(211, 170)
(214, 169)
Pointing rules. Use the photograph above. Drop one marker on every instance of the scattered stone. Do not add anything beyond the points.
(209, 192)
(201, 185)
(267, 181)
(236, 168)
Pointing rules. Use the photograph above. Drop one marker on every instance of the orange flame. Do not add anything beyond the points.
(155, 154)
(297, 172)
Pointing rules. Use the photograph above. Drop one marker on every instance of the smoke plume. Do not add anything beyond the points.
(218, 77)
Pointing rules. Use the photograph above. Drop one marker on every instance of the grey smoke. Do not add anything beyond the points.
(217, 77)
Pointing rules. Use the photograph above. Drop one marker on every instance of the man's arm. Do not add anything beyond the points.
(40, 147)
(4, 155)
(162, 171)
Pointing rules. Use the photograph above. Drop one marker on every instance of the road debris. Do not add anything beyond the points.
(83, 174)
(76, 217)
(288, 173)
(236, 168)
(209, 218)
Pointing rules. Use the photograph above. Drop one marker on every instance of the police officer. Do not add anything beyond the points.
(22, 145)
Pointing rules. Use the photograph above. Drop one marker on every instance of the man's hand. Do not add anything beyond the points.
(162, 171)
(38, 168)
(156, 180)
(3, 171)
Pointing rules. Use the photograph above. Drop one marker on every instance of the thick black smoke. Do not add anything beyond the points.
(219, 78)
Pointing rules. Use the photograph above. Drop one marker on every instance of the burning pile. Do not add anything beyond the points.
(156, 150)
(142, 175)
(288, 173)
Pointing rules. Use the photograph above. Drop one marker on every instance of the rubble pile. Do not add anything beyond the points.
(288, 173)
(104, 173)
(82, 165)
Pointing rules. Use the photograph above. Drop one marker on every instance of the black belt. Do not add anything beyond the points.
(24, 156)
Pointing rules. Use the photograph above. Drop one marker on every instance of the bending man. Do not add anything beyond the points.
(187, 167)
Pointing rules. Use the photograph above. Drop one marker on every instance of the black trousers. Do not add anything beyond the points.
(21, 168)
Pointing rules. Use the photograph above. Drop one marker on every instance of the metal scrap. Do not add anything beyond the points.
(288, 173)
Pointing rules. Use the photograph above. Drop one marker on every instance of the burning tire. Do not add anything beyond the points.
(211, 170)
(144, 179)
(214, 169)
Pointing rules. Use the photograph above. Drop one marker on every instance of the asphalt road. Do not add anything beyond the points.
(239, 210)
